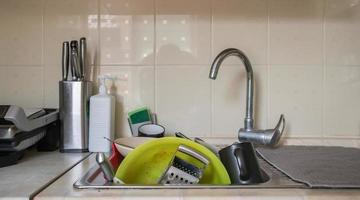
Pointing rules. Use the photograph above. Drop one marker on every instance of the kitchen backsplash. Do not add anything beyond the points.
(305, 55)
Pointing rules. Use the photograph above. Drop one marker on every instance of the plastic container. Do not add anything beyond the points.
(102, 116)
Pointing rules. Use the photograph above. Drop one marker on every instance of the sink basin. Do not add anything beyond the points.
(94, 179)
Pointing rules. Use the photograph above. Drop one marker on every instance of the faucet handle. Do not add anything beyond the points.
(268, 137)
(277, 131)
(281, 124)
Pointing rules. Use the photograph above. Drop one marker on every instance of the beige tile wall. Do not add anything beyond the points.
(305, 55)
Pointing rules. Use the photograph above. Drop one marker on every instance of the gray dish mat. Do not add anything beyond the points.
(316, 166)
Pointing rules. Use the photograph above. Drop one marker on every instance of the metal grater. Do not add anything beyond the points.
(182, 172)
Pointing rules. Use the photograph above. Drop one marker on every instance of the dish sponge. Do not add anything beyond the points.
(137, 118)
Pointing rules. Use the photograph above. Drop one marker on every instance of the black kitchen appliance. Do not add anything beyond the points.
(23, 128)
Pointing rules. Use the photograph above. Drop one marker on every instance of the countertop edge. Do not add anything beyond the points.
(36, 192)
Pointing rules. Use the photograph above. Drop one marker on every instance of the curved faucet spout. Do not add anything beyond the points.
(266, 137)
(248, 121)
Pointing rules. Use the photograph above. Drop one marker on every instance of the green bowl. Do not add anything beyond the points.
(146, 164)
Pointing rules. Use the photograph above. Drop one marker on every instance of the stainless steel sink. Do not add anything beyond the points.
(94, 179)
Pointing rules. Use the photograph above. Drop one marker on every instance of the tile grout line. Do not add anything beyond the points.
(155, 58)
(22, 66)
(167, 65)
(212, 83)
(97, 68)
(298, 136)
(323, 69)
(268, 64)
(185, 65)
(43, 51)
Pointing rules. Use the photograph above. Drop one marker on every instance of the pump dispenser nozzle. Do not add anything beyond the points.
(102, 79)
(102, 86)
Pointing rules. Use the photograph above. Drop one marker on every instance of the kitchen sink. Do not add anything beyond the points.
(94, 179)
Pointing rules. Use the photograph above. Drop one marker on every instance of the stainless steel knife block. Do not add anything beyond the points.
(74, 115)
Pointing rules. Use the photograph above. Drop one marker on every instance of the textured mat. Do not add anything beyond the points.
(317, 166)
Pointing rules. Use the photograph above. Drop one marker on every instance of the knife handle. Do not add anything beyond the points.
(65, 60)
(82, 53)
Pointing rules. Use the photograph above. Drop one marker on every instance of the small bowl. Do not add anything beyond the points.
(151, 130)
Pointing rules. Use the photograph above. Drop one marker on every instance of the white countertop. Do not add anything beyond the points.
(35, 171)
(63, 189)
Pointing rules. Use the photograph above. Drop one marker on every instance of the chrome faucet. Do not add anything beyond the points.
(266, 137)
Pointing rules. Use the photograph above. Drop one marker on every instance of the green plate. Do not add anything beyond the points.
(146, 164)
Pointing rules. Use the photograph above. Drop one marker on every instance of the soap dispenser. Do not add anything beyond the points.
(102, 116)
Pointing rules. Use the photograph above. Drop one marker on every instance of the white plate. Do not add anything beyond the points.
(125, 145)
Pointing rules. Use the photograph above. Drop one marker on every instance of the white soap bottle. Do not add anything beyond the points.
(102, 116)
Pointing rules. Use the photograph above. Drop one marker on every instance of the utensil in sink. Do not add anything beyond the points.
(105, 166)
(181, 135)
(211, 147)
(241, 164)
(181, 171)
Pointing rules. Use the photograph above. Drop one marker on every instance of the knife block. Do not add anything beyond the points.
(74, 115)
